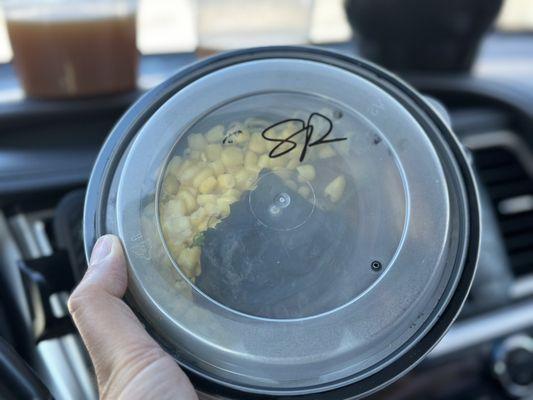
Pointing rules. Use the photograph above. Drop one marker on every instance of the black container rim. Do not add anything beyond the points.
(127, 127)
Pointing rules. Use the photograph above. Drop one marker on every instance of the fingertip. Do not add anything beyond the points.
(107, 267)
(102, 248)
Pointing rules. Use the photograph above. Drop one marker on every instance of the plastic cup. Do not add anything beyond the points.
(232, 24)
(66, 49)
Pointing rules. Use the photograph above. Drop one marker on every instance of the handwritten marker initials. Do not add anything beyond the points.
(286, 145)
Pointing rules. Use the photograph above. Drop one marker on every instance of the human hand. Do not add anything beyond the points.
(128, 363)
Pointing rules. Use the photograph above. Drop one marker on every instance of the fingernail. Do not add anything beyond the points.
(101, 249)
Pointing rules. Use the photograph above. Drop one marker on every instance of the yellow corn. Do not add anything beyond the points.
(232, 156)
(306, 172)
(213, 151)
(257, 144)
(326, 151)
(188, 199)
(335, 188)
(215, 134)
(202, 176)
(208, 185)
(226, 181)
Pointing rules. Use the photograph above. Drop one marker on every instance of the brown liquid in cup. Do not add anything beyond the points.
(204, 52)
(75, 58)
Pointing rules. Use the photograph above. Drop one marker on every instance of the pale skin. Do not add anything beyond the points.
(128, 363)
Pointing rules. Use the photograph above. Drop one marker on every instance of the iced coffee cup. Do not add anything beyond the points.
(68, 49)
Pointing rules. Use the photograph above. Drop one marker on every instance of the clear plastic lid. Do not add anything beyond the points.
(265, 208)
(290, 226)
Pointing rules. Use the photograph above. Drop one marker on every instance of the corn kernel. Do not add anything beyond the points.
(233, 169)
(263, 161)
(188, 199)
(270, 145)
(189, 189)
(342, 147)
(188, 173)
(188, 259)
(244, 179)
(254, 170)
(226, 181)
(326, 152)
(204, 199)
(196, 141)
(198, 216)
(179, 228)
(176, 247)
(170, 185)
(278, 162)
(175, 207)
(202, 176)
(306, 172)
(213, 222)
(211, 209)
(297, 152)
(174, 165)
(232, 193)
(257, 144)
(182, 167)
(335, 188)
(197, 271)
(223, 205)
(250, 159)
(202, 225)
(195, 155)
(242, 137)
(293, 163)
(208, 185)
(232, 156)
(215, 134)
(218, 167)
(213, 151)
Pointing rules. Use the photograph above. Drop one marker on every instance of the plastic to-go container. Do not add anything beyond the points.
(296, 222)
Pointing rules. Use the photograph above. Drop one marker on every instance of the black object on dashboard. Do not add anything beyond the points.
(413, 35)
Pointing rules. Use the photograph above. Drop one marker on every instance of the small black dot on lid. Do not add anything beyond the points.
(337, 114)
(376, 265)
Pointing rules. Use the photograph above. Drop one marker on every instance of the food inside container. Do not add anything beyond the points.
(243, 211)
(295, 222)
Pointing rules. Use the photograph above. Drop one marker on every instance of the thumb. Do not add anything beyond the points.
(117, 342)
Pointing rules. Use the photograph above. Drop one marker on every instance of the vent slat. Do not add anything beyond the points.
(517, 223)
(496, 175)
(493, 157)
(520, 241)
(508, 190)
(508, 182)
(522, 262)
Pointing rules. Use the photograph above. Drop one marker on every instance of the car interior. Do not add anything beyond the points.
(472, 58)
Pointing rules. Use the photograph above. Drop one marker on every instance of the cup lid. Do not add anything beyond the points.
(295, 221)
